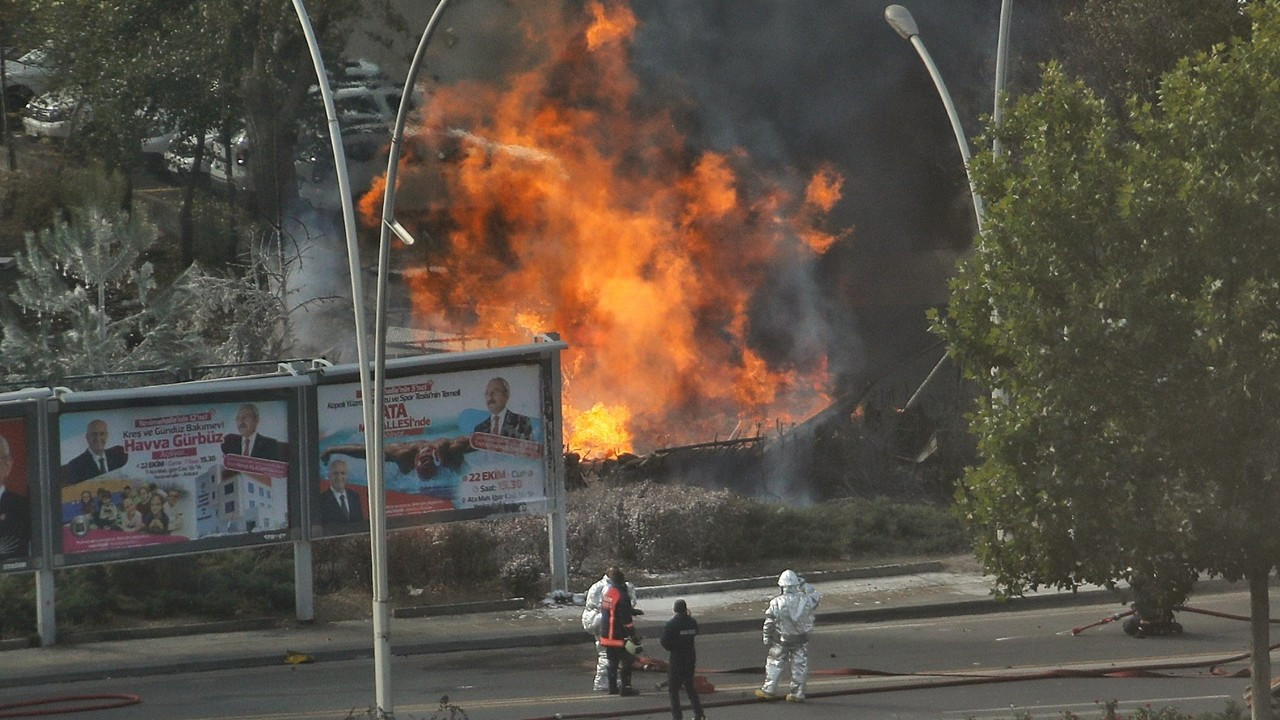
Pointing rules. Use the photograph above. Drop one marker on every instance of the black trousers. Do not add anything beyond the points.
(681, 678)
(619, 666)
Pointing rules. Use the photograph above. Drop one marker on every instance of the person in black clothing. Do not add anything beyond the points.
(677, 638)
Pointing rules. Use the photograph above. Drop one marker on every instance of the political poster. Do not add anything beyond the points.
(458, 440)
(167, 475)
(15, 495)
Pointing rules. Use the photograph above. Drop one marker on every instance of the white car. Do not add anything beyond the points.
(361, 104)
(25, 78)
(180, 156)
(365, 147)
(181, 153)
(56, 113)
(53, 114)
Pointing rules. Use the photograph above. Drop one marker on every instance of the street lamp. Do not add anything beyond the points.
(373, 393)
(899, 18)
(1002, 57)
(372, 411)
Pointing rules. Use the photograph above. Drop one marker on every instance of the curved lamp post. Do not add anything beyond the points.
(1002, 58)
(371, 410)
(899, 18)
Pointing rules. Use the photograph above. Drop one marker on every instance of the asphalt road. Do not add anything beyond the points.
(978, 666)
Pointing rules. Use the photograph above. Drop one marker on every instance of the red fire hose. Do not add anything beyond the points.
(928, 680)
(1179, 608)
(67, 704)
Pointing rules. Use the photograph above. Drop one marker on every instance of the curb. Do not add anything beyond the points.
(770, 581)
(460, 608)
(166, 631)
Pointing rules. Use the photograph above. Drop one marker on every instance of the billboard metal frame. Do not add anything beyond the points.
(41, 410)
(286, 389)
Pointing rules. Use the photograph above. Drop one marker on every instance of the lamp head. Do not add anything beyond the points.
(899, 18)
(400, 231)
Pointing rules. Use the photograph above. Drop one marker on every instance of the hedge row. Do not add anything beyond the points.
(653, 528)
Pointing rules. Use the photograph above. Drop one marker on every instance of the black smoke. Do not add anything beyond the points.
(799, 84)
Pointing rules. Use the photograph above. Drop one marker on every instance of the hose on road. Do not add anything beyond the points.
(67, 704)
(1177, 608)
(927, 681)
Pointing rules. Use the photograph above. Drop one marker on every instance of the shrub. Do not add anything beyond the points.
(649, 526)
(17, 605)
(664, 527)
(521, 576)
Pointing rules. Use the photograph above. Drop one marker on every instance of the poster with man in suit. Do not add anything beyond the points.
(339, 504)
(247, 440)
(15, 509)
(97, 459)
(451, 440)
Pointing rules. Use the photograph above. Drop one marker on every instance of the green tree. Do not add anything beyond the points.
(88, 302)
(1120, 310)
(1119, 48)
(220, 65)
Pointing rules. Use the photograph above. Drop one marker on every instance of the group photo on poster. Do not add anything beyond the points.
(450, 441)
(138, 476)
(15, 504)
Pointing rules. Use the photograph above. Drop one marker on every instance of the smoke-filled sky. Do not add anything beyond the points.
(795, 83)
(799, 87)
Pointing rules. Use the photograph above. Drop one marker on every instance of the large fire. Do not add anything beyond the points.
(568, 200)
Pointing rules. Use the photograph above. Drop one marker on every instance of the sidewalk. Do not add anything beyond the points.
(857, 595)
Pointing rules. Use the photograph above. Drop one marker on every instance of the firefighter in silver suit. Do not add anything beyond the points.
(787, 624)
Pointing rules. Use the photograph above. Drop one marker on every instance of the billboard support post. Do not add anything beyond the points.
(303, 583)
(45, 617)
(557, 526)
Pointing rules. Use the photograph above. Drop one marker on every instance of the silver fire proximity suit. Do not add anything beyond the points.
(787, 624)
(591, 623)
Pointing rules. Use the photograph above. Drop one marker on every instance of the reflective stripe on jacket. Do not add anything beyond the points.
(616, 624)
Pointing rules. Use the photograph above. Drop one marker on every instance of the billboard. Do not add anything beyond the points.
(148, 477)
(17, 484)
(465, 442)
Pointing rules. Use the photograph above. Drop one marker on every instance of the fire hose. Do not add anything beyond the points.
(1177, 608)
(928, 680)
(67, 704)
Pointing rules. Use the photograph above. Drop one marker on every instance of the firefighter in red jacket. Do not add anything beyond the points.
(616, 628)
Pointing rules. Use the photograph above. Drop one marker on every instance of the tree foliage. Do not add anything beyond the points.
(1120, 48)
(213, 65)
(89, 302)
(1120, 307)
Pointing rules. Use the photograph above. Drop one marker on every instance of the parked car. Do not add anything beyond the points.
(56, 114)
(25, 78)
(359, 71)
(53, 114)
(360, 92)
(237, 170)
(179, 157)
(365, 147)
(361, 104)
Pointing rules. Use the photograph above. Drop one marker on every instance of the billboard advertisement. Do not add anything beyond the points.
(461, 440)
(137, 480)
(17, 473)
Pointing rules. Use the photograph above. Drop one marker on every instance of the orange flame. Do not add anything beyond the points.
(568, 200)
(601, 429)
